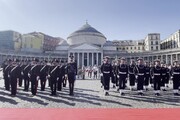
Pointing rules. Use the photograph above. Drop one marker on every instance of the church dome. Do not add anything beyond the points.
(86, 34)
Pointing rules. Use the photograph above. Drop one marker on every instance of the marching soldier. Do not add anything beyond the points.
(167, 76)
(14, 73)
(65, 73)
(60, 75)
(114, 74)
(44, 70)
(140, 75)
(53, 73)
(71, 74)
(156, 75)
(122, 75)
(151, 79)
(163, 78)
(6, 69)
(34, 76)
(26, 70)
(175, 77)
(21, 76)
(106, 70)
(132, 78)
(147, 75)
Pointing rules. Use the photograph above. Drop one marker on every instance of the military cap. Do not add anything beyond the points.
(157, 60)
(71, 56)
(106, 57)
(122, 58)
(35, 59)
(139, 58)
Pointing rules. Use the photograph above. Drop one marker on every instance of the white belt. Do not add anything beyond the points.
(163, 74)
(131, 73)
(122, 72)
(157, 74)
(177, 73)
(106, 72)
(141, 74)
(147, 73)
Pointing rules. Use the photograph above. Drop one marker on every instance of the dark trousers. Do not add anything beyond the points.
(122, 81)
(64, 81)
(7, 83)
(132, 79)
(26, 83)
(13, 86)
(176, 82)
(113, 79)
(167, 79)
(106, 79)
(34, 85)
(95, 75)
(146, 80)
(43, 82)
(163, 81)
(53, 85)
(20, 81)
(71, 80)
(140, 82)
(60, 83)
(157, 82)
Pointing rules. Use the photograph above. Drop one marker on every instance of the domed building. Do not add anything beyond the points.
(86, 44)
(86, 34)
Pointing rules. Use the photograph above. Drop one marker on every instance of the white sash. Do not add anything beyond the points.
(33, 67)
(6, 67)
(54, 69)
(43, 68)
(14, 68)
(26, 67)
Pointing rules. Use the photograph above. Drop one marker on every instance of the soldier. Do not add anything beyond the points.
(151, 79)
(175, 77)
(71, 74)
(122, 75)
(140, 71)
(26, 70)
(114, 74)
(132, 78)
(60, 75)
(53, 73)
(65, 73)
(147, 75)
(34, 76)
(156, 74)
(6, 69)
(106, 69)
(44, 70)
(21, 76)
(163, 78)
(14, 73)
(168, 68)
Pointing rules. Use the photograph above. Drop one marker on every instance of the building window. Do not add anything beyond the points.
(156, 42)
(138, 48)
(127, 48)
(135, 48)
(131, 48)
(151, 42)
(156, 47)
(151, 48)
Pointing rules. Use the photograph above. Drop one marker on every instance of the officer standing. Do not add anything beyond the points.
(106, 69)
(6, 69)
(157, 75)
(140, 75)
(53, 73)
(114, 73)
(34, 76)
(122, 75)
(60, 75)
(71, 74)
(132, 78)
(163, 78)
(175, 77)
(26, 70)
(147, 75)
(14, 74)
(44, 70)
(21, 76)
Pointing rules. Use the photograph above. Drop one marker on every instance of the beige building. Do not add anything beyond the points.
(173, 41)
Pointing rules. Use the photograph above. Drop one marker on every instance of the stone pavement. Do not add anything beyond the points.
(88, 94)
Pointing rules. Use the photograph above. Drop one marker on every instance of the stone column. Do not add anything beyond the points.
(176, 56)
(92, 59)
(166, 59)
(78, 59)
(82, 58)
(171, 59)
(97, 59)
(87, 59)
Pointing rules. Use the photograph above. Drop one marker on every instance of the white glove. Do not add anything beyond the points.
(65, 75)
(136, 76)
(101, 74)
(37, 78)
(22, 73)
(48, 76)
(8, 76)
(29, 75)
(117, 76)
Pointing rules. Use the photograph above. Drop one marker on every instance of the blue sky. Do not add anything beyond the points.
(116, 19)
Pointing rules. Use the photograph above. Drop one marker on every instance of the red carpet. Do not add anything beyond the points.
(88, 114)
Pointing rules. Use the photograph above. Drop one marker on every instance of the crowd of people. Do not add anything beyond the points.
(57, 72)
(145, 74)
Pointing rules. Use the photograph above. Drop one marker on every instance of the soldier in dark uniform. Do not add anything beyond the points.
(163, 77)
(6, 69)
(147, 75)
(151, 79)
(53, 72)
(132, 78)
(21, 76)
(176, 77)
(140, 75)
(114, 74)
(156, 73)
(34, 76)
(65, 73)
(14, 73)
(26, 70)
(71, 74)
(167, 76)
(106, 69)
(44, 71)
(122, 75)
(60, 75)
